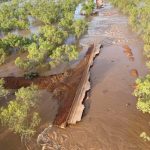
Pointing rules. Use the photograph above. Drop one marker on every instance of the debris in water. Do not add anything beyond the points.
(134, 73)
(128, 104)
(128, 52)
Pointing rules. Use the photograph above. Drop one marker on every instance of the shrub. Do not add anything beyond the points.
(88, 7)
(142, 92)
(18, 116)
(3, 91)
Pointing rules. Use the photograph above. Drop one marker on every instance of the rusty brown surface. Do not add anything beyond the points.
(63, 86)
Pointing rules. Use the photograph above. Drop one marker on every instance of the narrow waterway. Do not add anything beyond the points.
(112, 121)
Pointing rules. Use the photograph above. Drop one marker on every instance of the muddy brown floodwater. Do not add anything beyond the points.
(112, 121)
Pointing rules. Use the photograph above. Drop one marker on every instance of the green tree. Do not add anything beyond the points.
(79, 27)
(25, 64)
(142, 92)
(57, 24)
(63, 53)
(19, 116)
(3, 91)
(2, 56)
(88, 7)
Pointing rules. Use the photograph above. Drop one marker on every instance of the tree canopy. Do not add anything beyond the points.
(57, 24)
(3, 91)
(18, 116)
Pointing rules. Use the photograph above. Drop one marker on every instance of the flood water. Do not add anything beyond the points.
(112, 121)
(10, 69)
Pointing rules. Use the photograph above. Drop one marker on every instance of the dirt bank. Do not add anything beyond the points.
(64, 86)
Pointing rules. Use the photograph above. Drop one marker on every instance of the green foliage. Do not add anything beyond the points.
(53, 35)
(36, 53)
(4, 1)
(63, 53)
(58, 23)
(18, 116)
(2, 56)
(88, 7)
(3, 91)
(142, 92)
(67, 21)
(12, 43)
(28, 96)
(31, 75)
(15, 42)
(25, 64)
(12, 16)
(46, 11)
(79, 27)
(148, 64)
(145, 136)
(51, 38)
(147, 50)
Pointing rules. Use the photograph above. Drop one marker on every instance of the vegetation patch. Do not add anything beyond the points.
(19, 116)
(47, 47)
(88, 7)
